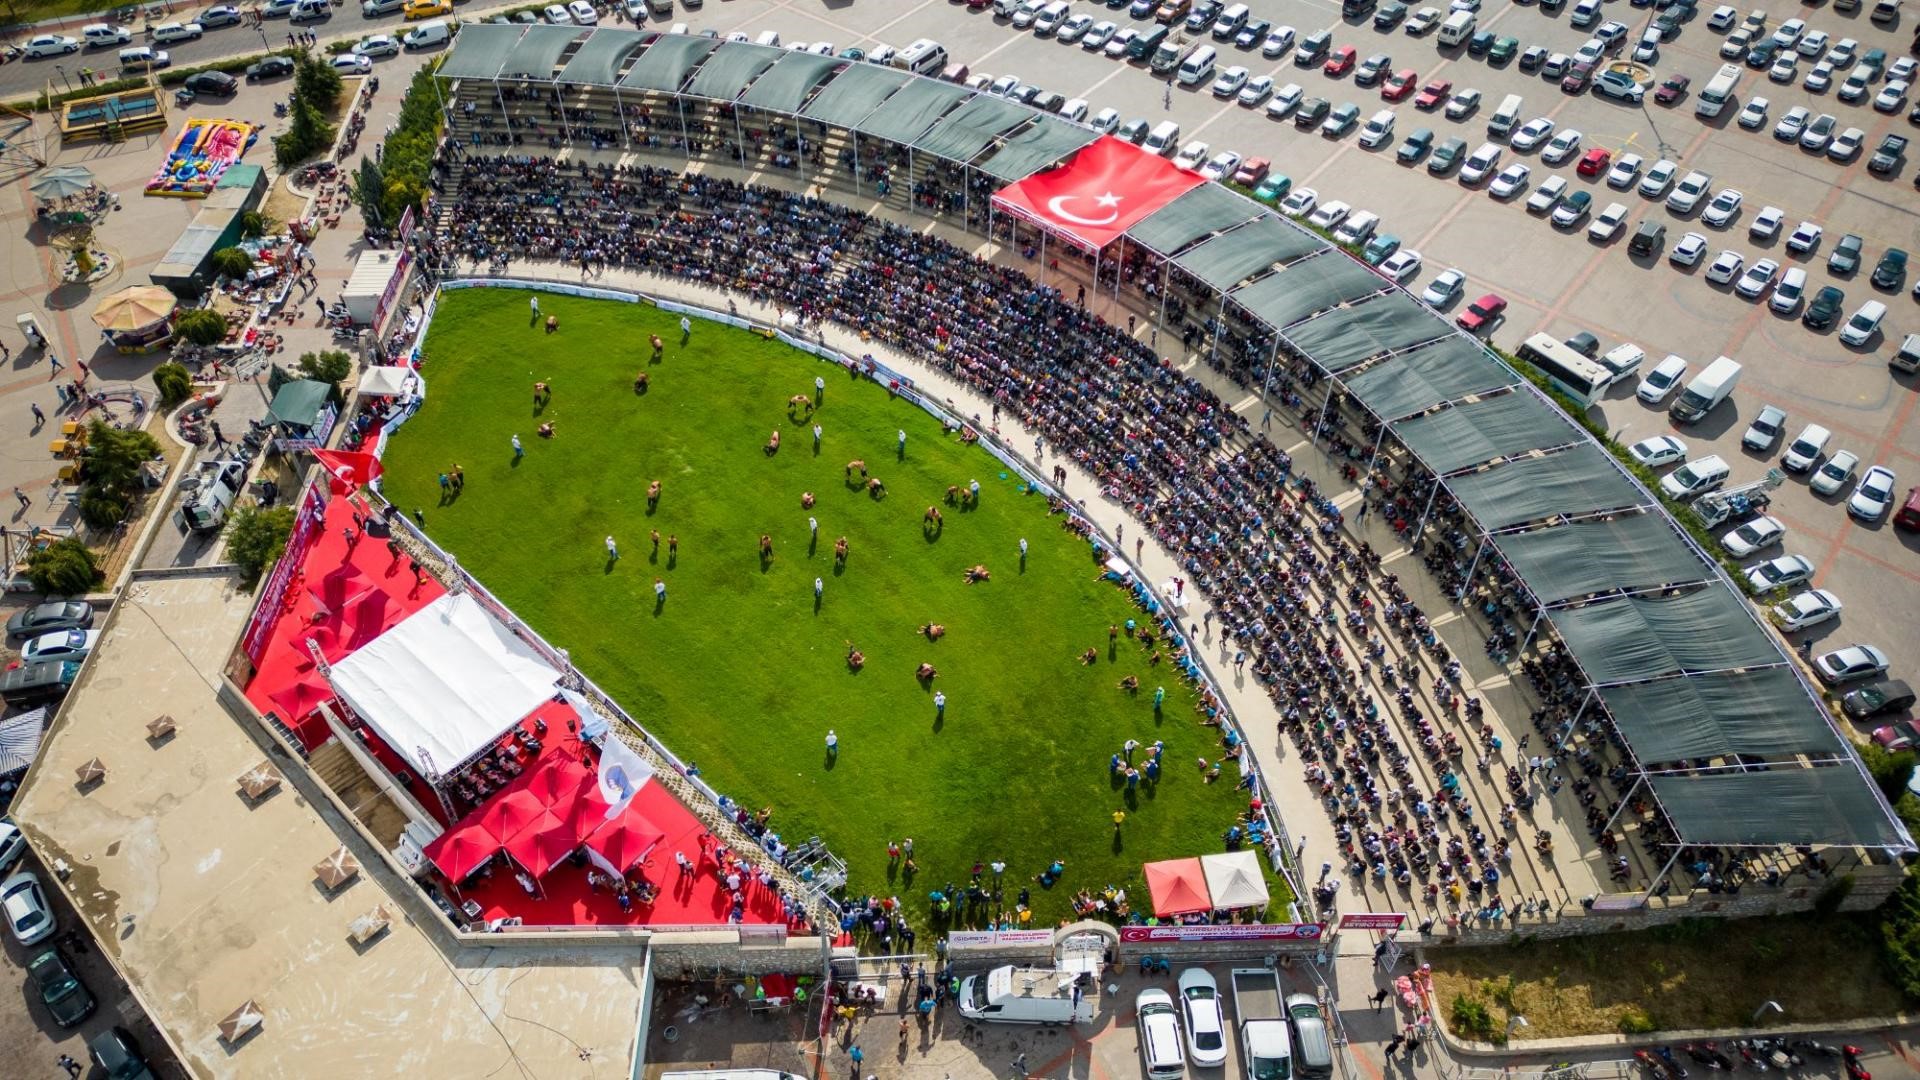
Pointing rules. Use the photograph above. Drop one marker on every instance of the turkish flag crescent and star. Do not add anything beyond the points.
(350, 469)
(1107, 189)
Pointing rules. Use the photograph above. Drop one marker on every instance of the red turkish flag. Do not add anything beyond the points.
(350, 469)
(1108, 187)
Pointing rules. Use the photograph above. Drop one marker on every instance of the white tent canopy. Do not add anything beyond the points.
(395, 380)
(444, 683)
(1234, 879)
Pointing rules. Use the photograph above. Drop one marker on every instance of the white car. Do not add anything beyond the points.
(1206, 1025)
(1722, 18)
(1793, 124)
(13, 844)
(1804, 238)
(1695, 478)
(1662, 381)
(1903, 69)
(51, 45)
(1230, 82)
(1279, 42)
(583, 12)
(1812, 44)
(352, 64)
(1790, 292)
(1511, 181)
(1221, 165)
(1561, 147)
(167, 33)
(1256, 92)
(1191, 156)
(1547, 195)
(1846, 145)
(1691, 248)
(1891, 96)
(1726, 266)
(1819, 133)
(1658, 179)
(1299, 203)
(1789, 33)
(1819, 78)
(1723, 209)
(1625, 171)
(1781, 573)
(557, 14)
(1074, 28)
(1766, 224)
(1106, 121)
(1531, 134)
(1850, 664)
(1284, 101)
(25, 907)
(1835, 473)
(378, 45)
(1873, 495)
(1571, 211)
(1688, 192)
(1753, 115)
(1157, 1026)
(1608, 224)
(1658, 451)
(1329, 214)
(1805, 610)
(1844, 53)
(1784, 69)
(1122, 40)
(1622, 362)
(59, 645)
(1401, 265)
(1445, 289)
(1762, 532)
(1758, 279)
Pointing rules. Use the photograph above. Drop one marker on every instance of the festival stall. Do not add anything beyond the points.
(1234, 879)
(137, 319)
(1178, 887)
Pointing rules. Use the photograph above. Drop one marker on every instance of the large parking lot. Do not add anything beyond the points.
(1559, 281)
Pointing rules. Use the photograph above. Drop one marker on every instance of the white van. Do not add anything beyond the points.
(769, 38)
(1585, 14)
(1480, 164)
(1075, 110)
(1378, 130)
(1197, 67)
(1504, 118)
(1005, 8)
(1163, 139)
(1457, 29)
(1230, 22)
(427, 35)
(1050, 18)
(142, 58)
(1159, 1030)
(924, 57)
(1011, 995)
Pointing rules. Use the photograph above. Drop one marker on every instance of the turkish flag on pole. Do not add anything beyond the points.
(1108, 188)
(350, 469)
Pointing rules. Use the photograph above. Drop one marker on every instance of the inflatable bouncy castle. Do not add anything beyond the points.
(203, 151)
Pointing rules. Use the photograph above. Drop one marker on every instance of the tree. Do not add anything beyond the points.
(1889, 769)
(253, 224)
(330, 366)
(201, 326)
(174, 383)
(256, 537)
(308, 133)
(406, 158)
(65, 567)
(370, 192)
(317, 83)
(1900, 937)
(231, 262)
(111, 472)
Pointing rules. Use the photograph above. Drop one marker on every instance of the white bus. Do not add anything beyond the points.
(1574, 375)
(1718, 92)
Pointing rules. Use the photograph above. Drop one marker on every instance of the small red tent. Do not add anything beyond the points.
(1178, 886)
(626, 839)
(459, 852)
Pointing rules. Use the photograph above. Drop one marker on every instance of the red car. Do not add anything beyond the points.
(1252, 171)
(1480, 314)
(1399, 85)
(1672, 89)
(1594, 162)
(1578, 78)
(1341, 61)
(1434, 94)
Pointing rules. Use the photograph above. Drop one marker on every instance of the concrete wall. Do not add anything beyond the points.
(694, 954)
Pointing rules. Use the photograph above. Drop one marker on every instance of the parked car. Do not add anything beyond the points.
(1877, 699)
(59, 645)
(1482, 313)
(49, 617)
(1206, 1024)
(1806, 610)
(1658, 451)
(1849, 664)
(1835, 473)
(1745, 539)
(61, 991)
(1781, 573)
(1873, 495)
(1662, 381)
(24, 906)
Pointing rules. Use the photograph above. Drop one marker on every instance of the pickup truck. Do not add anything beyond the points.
(1886, 160)
(1266, 1047)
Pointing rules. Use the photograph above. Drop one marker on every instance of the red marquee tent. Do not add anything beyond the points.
(1108, 188)
(626, 839)
(558, 782)
(1178, 886)
(542, 844)
(459, 852)
(507, 814)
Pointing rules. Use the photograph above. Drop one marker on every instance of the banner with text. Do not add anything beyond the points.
(1373, 920)
(1256, 932)
(988, 939)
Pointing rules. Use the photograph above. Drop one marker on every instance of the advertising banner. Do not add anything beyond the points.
(1255, 932)
(306, 526)
(1373, 920)
(987, 939)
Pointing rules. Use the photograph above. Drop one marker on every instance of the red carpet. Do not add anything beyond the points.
(358, 592)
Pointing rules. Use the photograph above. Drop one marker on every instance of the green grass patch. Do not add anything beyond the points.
(739, 671)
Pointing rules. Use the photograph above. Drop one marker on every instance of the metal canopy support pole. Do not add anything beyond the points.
(686, 144)
(1538, 614)
(1119, 270)
(1266, 384)
(626, 126)
(1432, 495)
(1377, 443)
(1325, 405)
(1574, 724)
(1662, 875)
(1096, 272)
(1471, 567)
(910, 181)
(739, 136)
(505, 113)
(856, 159)
(1624, 800)
(1046, 277)
(1166, 281)
(560, 103)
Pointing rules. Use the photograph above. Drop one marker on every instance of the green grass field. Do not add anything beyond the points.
(739, 671)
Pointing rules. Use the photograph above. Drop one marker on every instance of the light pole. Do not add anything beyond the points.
(62, 69)
(1764, 1006)
(1515, 1021)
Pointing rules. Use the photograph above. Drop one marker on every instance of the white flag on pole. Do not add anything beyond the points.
(621, 774)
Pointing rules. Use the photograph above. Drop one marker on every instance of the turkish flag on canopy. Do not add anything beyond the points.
(1106, 189)
(350, 469)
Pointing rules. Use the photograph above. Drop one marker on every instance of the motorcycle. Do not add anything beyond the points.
(1855, 1070)
(1709, 1058)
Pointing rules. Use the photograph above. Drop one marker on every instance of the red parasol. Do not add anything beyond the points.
(301, 698)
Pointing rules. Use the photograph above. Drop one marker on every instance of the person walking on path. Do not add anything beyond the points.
(39, 416)
(518, 450)
(1379, 998)
(613, 550)
(833, 743)
(813, 527)
(659, 591)
(1392, 1046)
(1020, 1063)
(819, 390)
(903, 442)
(57, 365)
(855, 1055)
(939, 705)
(686, 329)
(816, 436)
(25, 503)
(66, 1062)
(534, 302)
(819, 587)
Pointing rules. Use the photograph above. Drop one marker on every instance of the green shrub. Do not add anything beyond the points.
(231, 262)
(406, 157)
(1889, 769)
(110, 472)
(330, 366)
(254, 224)
(1827, 904)
(65, 567)
(1470, 1019)
(256, 537)
(201, 326)
(174, 384)
(1900, 938)
(1635, 1021)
